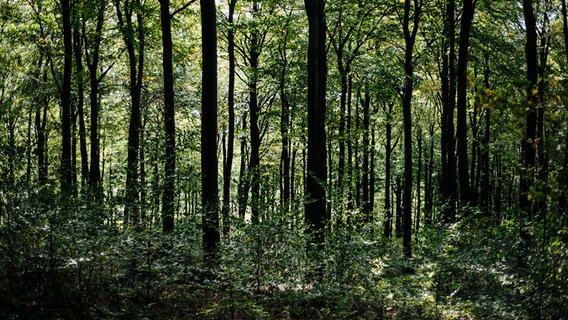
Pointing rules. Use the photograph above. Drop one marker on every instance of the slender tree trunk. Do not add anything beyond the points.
(244, 174)
(66, 170)
(285, 134)
(254, 164)
(419, 183)
(78, 50)
(93, 60)
(350, 148)
(42, 135)
(209, 188)
(461, 130)
(365, 167)
(429, 186)
(136, 68)
(448, 181)
(168, 195)
(563, 177)
(398, 220)
(485, 181)
(315, 206)
(409, 39)
(388, 212)
(228, 165)
(372, 179)
(528, 147)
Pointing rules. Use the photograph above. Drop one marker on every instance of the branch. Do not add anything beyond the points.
(182, 8)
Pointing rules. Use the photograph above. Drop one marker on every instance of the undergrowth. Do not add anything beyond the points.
(58, 263)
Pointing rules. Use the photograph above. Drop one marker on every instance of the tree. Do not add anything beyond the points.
(93, 58)
(448, 181)
(409, 40)
(315, 205)
(168, 195)
(228, 165)
(134, 40)
(461, 130)
(529, 133)
(66, 172)
(209, 189)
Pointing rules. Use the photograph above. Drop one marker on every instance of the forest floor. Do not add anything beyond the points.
(458, 271)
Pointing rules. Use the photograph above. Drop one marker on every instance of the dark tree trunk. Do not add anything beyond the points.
(448, 181)
(398, 201)
(93, 60)
(285, 119)
(315, 206)
(209, 188)
(485, 153)
(365, 171)
(244, 175)
(168, 195)
(419, 183)
(66, 170)
(372, 179)
(409, 39)
(136, 67)
(78, 49)
(461, 129)
(42, 135)
(389, 149)
(254, 164)
(563, 177)
(228, 164)
(429, 186)
(529, 136)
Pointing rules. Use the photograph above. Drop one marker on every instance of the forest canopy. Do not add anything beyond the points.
(263, 159)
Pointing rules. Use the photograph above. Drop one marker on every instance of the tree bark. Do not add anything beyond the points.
(388, 213)
(78, 50)
(209, 188)
(66, 173)
(529, 136)
(448, 181)
(461, 130)
(168, 195)
(365, 200)
(409, 39)
(315, 205)
(228, 165)
(136, 66)
(93, 60)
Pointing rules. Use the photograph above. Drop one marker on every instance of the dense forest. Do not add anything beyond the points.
(283, 159)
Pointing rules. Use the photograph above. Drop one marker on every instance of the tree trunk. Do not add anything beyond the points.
(244, 174)
(136, 67)
(365, 201)
(418, 183)
(254, 164)
(388, 213)
(285, 134)
(398, 201)
(93, 60)
(315, 206)
(529, 136)
(66, 171)
(563, 177)
(209, 188)
(448, 180)
(78, 49)
(409, 39)
(168, 195)
(228, 165)
(461, 130)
